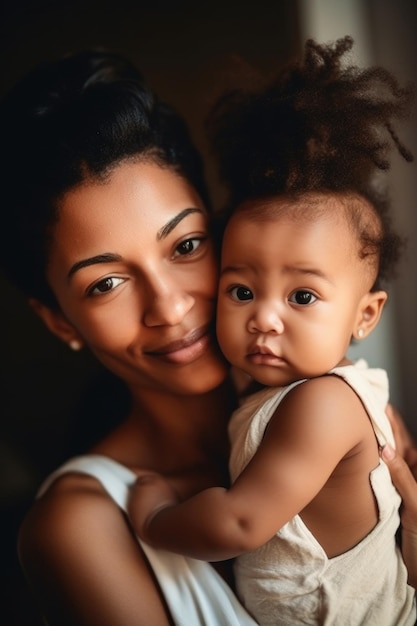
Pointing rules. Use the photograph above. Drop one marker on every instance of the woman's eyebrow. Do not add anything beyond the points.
(169, 226)
(99, 258)
(114, 258)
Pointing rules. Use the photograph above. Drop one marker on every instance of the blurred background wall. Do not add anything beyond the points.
(184, 49)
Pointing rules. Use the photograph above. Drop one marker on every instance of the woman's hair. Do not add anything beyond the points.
(68, 121)
(316, 127)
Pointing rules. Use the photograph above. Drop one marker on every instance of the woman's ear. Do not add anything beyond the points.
(369, 313)
(57, 323)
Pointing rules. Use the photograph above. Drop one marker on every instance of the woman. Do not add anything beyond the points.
(109, 239)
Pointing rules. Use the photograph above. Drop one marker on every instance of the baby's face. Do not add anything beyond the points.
(290, 292)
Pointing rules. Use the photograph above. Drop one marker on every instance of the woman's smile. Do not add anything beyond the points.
(186, 350)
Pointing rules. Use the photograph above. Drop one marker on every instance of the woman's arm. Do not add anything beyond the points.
(83, 562)
(406, 483)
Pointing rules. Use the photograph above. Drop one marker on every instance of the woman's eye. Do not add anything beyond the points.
(303, 297)
(188, 246)
(241, 294)
(105, 285)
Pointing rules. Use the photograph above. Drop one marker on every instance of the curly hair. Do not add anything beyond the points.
(316, 127)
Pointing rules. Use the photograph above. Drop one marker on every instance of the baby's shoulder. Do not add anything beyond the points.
(325, 397)
(322, 389)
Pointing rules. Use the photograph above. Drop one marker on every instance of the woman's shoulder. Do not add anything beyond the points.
(69, 508)
(81, 557)
(71, 500)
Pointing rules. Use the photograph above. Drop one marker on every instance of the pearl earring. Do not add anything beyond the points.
(75, 345)
(360, 333)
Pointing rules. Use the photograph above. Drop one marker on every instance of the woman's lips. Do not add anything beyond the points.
(184, 350)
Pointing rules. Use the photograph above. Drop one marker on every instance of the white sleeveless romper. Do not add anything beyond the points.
(290, 580)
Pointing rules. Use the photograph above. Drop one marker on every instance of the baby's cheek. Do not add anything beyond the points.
(231, 348)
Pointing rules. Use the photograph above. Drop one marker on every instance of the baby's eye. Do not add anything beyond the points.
(188, 246)
(105, 285)
(240, 293)
(302, 297)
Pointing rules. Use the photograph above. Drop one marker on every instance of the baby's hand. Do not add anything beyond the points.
(149, 494)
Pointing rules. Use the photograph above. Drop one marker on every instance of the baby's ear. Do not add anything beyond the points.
(369, 313)
(58, 324)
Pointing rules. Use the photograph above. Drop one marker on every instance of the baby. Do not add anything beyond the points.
(311, 513)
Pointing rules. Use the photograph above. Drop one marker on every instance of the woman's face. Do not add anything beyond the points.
(134, 271)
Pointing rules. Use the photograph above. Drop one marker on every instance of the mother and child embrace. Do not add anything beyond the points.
(250, 481)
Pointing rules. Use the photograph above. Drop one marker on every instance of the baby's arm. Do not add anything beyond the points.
(300, 449)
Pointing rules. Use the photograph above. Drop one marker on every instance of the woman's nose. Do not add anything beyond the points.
(266, 319)
(166, 302)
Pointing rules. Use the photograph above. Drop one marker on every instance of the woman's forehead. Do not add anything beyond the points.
(140, 200)
(144, 185)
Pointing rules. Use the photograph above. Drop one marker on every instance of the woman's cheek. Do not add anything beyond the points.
(110, 325)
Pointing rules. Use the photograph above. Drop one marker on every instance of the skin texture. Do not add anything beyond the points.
(293, 291)
(129, 311)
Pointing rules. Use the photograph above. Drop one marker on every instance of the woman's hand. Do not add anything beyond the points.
(405, 445)
(402, 463)
(406, 484)
(149, 494)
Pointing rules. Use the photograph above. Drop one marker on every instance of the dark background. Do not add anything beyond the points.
(186, 51)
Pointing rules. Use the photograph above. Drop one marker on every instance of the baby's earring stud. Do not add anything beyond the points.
(360, 333)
